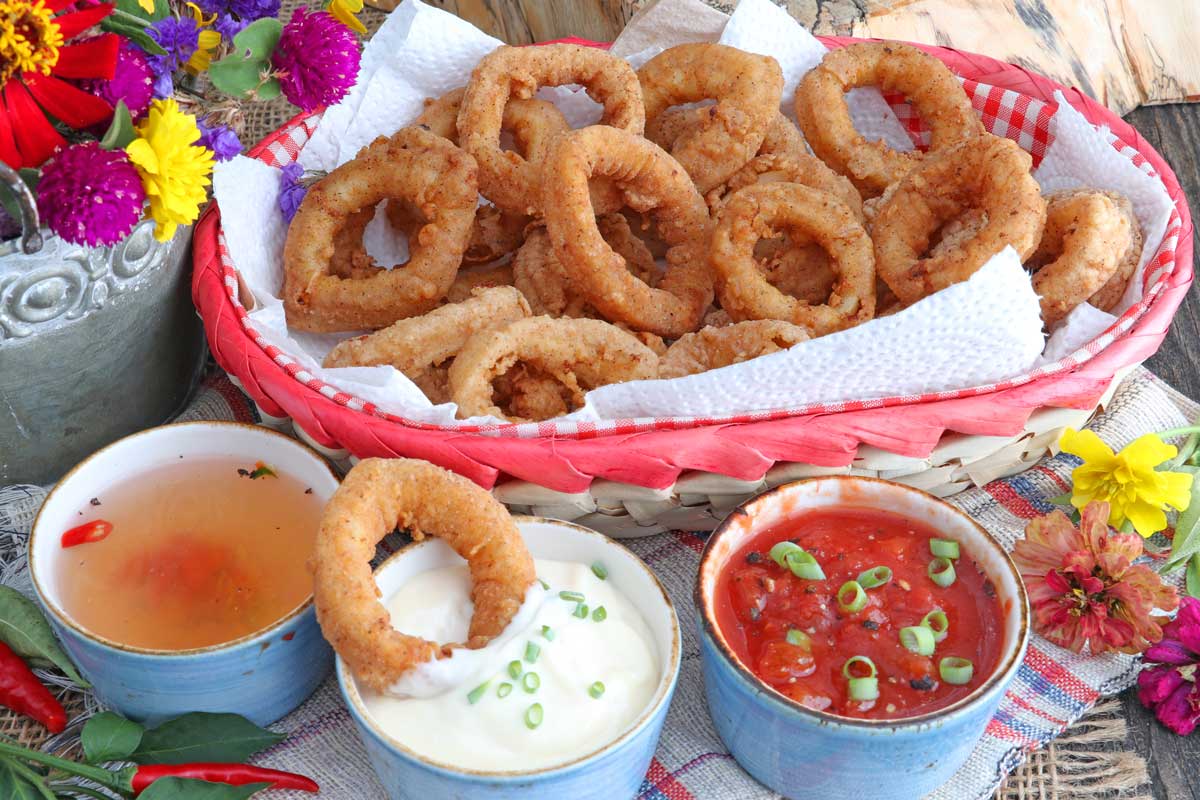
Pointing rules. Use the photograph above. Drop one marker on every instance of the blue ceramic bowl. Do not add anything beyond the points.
(802, 753)
(614, 772)
(261, 676)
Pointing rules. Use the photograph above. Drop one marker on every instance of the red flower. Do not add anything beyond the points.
(1170, 686)
(33, 63)
(1085, 588)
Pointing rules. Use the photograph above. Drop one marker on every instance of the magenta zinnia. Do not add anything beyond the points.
(90, 196)
(316, 60)
(1171, 688)
(1084, 587)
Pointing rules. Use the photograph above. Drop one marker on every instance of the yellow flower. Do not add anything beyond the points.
(207, 41)
(174, 170)
(147, 6)
(344, 10)
(1127, 480)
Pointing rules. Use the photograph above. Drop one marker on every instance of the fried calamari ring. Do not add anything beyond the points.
(1085, 239)
(413, 165)
(469, 280)
(422, 347)
(799, 168)
(783, 138)
(747, 89)
(934, 92)
(1110, 295)
(767, 209)
(582, 353)
(988, 173)
(650, 180)
(378, 496)
(796, 266)
(514, 183)
(527, 392)
(710, 348)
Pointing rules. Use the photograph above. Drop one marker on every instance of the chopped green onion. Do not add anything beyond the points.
(599, 614)
(851, 597)
(504, 689)
(937, 622)
(545, 585)
(571, 597)
(532, 651)
(476, 694)
(581, 610)
(599, 570)
(548, 633)
(514, 669)
(804, 565)
(941, 572)
(781, 551)
(534, 716)
(863, 689)
(849, 665)
(944, 548)
(918, 639)
(875, 577)
(596, 690)
(955, 670)
(530, 682)
(799, 638)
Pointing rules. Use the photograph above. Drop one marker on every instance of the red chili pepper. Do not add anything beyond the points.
(21, 691)
(92, 531)
(232, 774)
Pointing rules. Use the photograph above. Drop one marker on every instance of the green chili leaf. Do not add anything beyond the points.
(120, 132)
(222, 738)
(110, 737)
(16, 784)
(1193, 576)
(191, 789)
(25, 630)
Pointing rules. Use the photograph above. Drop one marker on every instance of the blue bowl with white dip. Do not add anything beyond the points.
(568, 702)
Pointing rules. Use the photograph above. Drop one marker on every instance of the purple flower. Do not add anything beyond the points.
(229, 27)
(90, 196)
(221, 140)
(132, 82)
(291, 190)
(180, 37)
(1172, 688)
(245, 10)
(316, 59)
(164, 86)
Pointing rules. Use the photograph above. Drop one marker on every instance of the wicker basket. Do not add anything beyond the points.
(637, 477)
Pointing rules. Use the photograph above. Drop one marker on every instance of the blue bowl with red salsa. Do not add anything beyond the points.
(856, 637)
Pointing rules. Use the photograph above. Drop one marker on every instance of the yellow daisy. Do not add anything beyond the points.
(173, 168)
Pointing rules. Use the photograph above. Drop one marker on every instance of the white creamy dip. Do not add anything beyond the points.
(493, 732)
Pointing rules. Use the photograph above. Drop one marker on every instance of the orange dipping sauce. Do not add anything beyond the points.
(758, 602)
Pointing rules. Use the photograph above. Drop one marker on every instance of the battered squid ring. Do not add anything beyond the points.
(746, 87)
(927, 83)
(649, 179)
(711, 348)
(799, 168)
(763, 210)
(413, 165)
(509, 181)
(783, 138)
(990, 174)
(378, 496)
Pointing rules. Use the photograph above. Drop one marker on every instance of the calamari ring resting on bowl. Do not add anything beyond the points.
(378, 496)
(989, 173)
(766, 209)
(746, 87)
(934, 92)
(710, 348)
(650, 181)
(505, 178)
(583, 354)
(415, 166)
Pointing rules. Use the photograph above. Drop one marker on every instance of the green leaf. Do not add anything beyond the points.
(1192, 579)
(1061, 500)
(191, 789)
(120, 132)
(25, 630)
(256, 42)
(110, 737)
(1187, 532)
(223, 738)
(236, 76)
(134, 32)
(132, 9)
(269, 90)
(16, 785)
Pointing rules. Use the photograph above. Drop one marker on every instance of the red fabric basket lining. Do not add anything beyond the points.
(653, 452)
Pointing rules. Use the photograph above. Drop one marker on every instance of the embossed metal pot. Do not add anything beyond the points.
(95, 343)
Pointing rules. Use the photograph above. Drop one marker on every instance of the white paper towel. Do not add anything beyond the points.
(977, 332)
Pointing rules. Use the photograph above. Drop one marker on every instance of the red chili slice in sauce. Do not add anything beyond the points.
(92, 531)
(758, 602)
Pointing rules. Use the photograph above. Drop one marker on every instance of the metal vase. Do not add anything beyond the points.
(95, 343)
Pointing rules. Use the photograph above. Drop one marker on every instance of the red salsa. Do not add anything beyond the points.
(796, 630)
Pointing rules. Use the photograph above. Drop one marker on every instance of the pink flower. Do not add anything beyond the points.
(316, 60)
(1171, 689)
(90, 196)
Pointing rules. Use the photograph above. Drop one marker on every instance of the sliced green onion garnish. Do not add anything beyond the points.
(941, 571)
(875, 577)
(852, 661)
(581, 610)
(799, 638)
(548, 633)
(944, 548)
(596, 690)
(514, 669)
(534, 716)
(851, 597)
(530, 682)
(863, 689)
(937, 622)
(781, 551)
(476, 694)
(599, 570)
(803, 565)
(955, 670)
(571, 597)
(545, 585)
(504, 689)
(599, 614)
(532, 651)
(918, 639)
